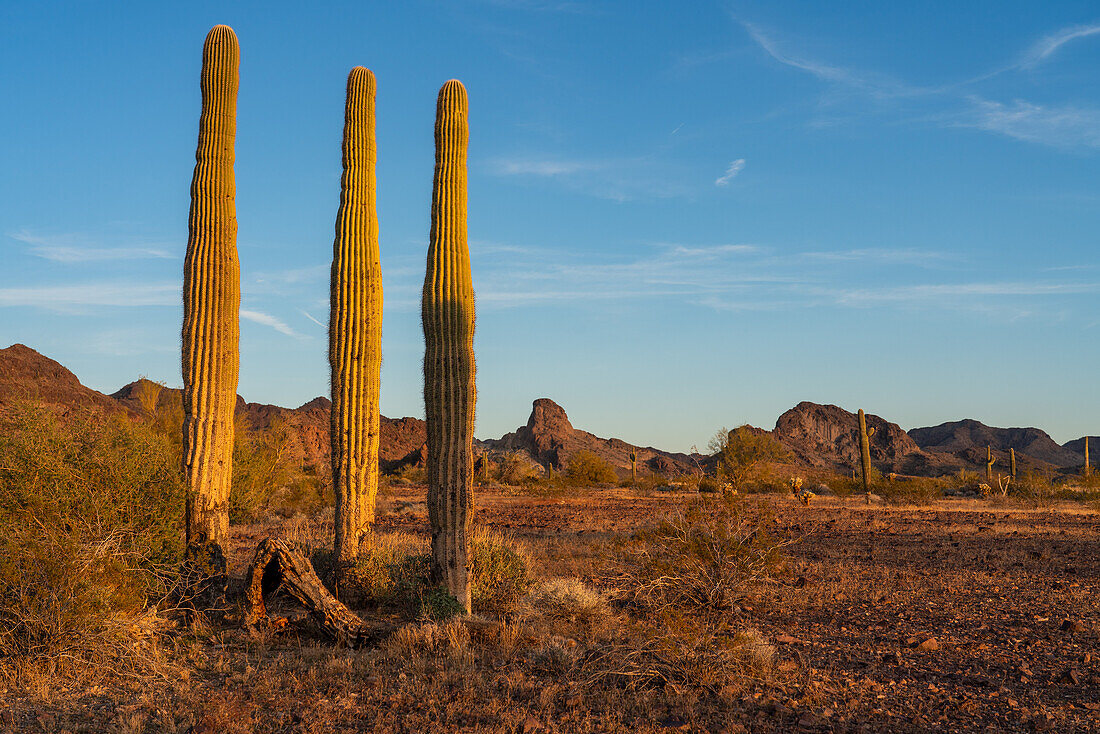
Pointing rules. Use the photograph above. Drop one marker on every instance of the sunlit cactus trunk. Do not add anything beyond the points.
(1012, 462)
(865, 453)
(447, 312)
(989, 462)
(355, 324)
(211, 300)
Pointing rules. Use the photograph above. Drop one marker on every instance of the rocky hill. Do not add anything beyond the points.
(962, 437)
(549, 438)
(827, 436)
(1077, 446)
(27, 376)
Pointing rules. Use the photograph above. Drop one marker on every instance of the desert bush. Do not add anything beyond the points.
(90, 512)
(909, 491)
(743, 455)
(701, 559)
(586, 468)
(517, 469)
(260, 469)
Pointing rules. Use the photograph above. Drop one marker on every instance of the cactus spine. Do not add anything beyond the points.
(1012, 462)
(355, 324)
(211, 299)
(989, 462)
(447, 312)
(865, 452)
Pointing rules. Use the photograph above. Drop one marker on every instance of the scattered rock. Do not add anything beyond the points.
(1073, 625)
(923, 643)
(1069, 675)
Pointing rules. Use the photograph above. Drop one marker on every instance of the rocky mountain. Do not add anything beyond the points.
(827, 436)
(549, 438)
(962, 437)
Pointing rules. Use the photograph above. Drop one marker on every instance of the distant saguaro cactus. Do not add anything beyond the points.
(989, 462)
(633, 466)
(865, 452)
(211, 300)
(447, 312)
(1012, 462)
(355, 324)
(1088, 469)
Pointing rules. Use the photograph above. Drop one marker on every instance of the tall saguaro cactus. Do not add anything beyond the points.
(990, 460)
(355, 324)
(1088, 469)
(447, 311)
(865, 452)
(1012, 462)
(211, 299)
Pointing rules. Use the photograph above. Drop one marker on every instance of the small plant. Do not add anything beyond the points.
(517, 469)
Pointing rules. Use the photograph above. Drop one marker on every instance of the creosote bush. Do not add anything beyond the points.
(742, 455)
(90, 530)
(586, 468)
(700, 560)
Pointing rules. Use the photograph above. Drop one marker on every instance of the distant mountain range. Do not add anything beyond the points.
(819, 436)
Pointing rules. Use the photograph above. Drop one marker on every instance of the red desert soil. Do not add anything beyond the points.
(955, 616)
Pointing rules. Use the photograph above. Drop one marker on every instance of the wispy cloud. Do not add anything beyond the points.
(878, 85)
(1046, 46)
(709, 251)
(884, 256)
(68, 297)
(732, 170)
(942, 293)
(310, 316)
(267, 319)
(1065, 127)
(73, 248)
(618, 179)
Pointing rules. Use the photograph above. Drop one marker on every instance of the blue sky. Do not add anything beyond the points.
(682, 215)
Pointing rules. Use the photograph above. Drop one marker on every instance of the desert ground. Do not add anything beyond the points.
(951, 615)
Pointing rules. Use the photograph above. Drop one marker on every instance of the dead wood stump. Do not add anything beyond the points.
(277, 565)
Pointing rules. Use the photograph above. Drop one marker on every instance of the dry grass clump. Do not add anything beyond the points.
(500, 572)
(568, 599)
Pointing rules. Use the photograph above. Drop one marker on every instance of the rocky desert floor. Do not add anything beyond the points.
(960, 615)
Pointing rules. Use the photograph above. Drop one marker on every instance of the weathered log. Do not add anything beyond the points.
(280, 566)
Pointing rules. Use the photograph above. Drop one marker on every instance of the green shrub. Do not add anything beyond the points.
(585, 468)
